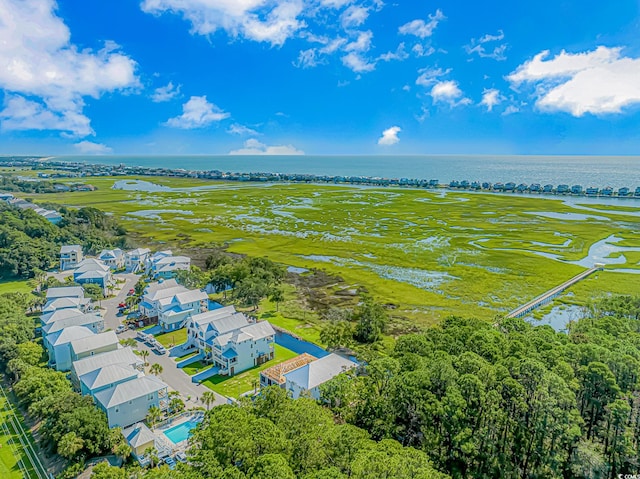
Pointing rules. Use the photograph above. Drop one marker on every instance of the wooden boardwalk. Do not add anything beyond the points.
(551, 294)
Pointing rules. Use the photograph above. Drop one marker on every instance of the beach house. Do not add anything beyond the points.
(65, 292)
(107, 377)
(128, 402)
(164, 265)
(204, 327)
(94, 322)
(140, 439)
(136, 259)
(82, 304)
(93, 345)
(306, 380)
(243, 348)
(57, 345)
(70, 256)
(113, 258)
(93, 271)
(175, 310)
(123, 357)
(156, 295)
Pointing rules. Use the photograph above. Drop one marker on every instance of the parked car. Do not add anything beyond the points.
(181, 456)
(142, 336)
(122, 305)
(170, 462)
(132, 325)
(131, 292)
(120, 329)
(160, 349)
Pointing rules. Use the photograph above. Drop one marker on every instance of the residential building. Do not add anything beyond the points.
(82, 304)
(164, 265)
(136, 259)
(243, 348)
(123, 357)
(93, 271)
(175, 310)
(59, 315)
(113, 258)
(94, 322)
(129, 402)
(306, 380)
(65, 292)
(70, 256)
(156, 294)
(6, 197)
(107, 377)
(140, 439)
(204, 327)
(57, 345)
(93, 345)
(275, 375)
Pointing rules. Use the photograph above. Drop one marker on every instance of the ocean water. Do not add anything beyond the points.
(599, 171)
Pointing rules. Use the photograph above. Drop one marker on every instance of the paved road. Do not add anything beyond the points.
(110, 306)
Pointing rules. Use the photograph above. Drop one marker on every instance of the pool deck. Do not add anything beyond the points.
(196, 416)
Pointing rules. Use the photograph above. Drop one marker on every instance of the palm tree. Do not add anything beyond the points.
(156, 369)
(153, 415)
(153, 455)
(145, 354)
(208, 398)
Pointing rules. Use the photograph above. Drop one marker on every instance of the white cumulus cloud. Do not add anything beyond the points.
(448, 92)
(165, 93)
(47, 77)
(354, 16)
(599, 82)
(238, 129)
(91, 148)
(197, 112)
(390, 136)
(479, 46)
(420, 28)
(254, 147)
(490, 98)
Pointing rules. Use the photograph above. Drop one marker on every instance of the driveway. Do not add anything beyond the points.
(110, 306)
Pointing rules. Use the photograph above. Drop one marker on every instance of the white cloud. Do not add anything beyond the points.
(308, 59)
(165, 93)
(358, 63)
(335, 3)
(598, 82)
(354, 16)
(197, 112)
(259, 20)
(420, 28)
(37, 60)
(361, 44)
(448, 92)
(429, 76)
(491, 98)
(254, 147)
(420, 50)
(91, 148)
(510, 110)
(237, 129)
(400, 54)
(477, 45)
(390, 136)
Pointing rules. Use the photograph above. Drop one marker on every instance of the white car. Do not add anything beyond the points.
(161, 349)
(120, 329)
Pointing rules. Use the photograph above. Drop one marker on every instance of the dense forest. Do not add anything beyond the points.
(29, 243)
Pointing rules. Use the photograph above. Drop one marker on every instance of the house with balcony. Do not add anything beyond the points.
(158, 294)
(175, 310)
(244, 348)
(122, 357)
(107, 377)
(204, 327)
(94, 322)
(128, 402)
(135, 260)
(59, 315)
(93, 345)
(70, 256)
(140, 439)
(93, 271)
(82, 304)
(164, 265)
(306, 380)
(57, 345)
(113, 258)
(65, 292)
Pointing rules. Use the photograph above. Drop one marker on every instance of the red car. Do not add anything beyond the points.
(131, 292)
(122, 306)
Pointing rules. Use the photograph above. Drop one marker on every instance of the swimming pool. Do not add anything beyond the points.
(181, 432)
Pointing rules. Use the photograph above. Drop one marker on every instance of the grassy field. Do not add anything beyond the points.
(172, 338)
(430, 254)
(15, 287)
(195, 368)
(237, 385)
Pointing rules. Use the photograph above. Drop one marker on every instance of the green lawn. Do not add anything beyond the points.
(195, 368)
(186, 356)
(9, 453)
(22, 286)
(236, 385)
(173, 338)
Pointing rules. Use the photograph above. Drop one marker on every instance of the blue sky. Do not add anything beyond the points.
(319, 77)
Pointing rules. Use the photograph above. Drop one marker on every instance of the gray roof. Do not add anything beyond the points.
(82, 320)
(67, 335)
(64, 303)
(128, 391)
(138, 435)
(165, 293)
(118, 356)
(159, 285)
(91, 264)
(252, 332)
(229, 323)
(90, 274)
(138, 252)
(60, 314)
(94, 342)
(108, 375)
(191, 296)
(70, 248)
(209, 316)
(319, 371)
(65, 292)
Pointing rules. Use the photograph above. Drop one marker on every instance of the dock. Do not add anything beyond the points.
(552, 293)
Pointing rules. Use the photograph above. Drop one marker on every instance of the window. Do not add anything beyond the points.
(150, 398)
(117, 409)
(130, 402)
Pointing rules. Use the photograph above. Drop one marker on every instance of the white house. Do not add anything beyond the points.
(57, 345)
(83, 304)
(307, 379)
(70, 256)
(204, 327)
(59, 315)
(175, 310)
(107, 377)
(243, 348)
(94, 322)
(93, 271)
(113, 258)
(128, 402)
(93, 345)
(154, 293)
(135, 260)
(65, 292)
(164, 265)
(123, 357)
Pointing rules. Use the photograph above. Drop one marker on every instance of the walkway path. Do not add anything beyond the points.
(551, 294)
